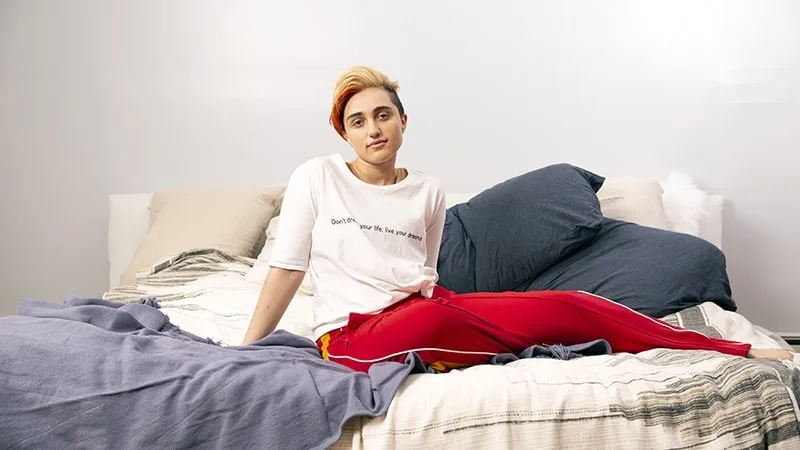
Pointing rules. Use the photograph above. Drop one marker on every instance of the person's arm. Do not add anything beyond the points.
(435, 228)
(277, 292)
(290, 255)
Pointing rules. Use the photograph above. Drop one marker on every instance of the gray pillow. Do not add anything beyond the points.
(508, 234)
(650, 270)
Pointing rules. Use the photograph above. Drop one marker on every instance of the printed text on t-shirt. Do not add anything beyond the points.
(376, 228)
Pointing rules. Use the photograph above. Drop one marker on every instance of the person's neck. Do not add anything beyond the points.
(382, 175)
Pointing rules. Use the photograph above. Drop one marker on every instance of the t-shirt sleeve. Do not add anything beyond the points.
(298, 213)
(435, 228)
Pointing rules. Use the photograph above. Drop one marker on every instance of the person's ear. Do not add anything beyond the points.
(404, 121)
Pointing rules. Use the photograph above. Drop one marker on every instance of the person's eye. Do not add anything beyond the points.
(383, 116)
(357, 123)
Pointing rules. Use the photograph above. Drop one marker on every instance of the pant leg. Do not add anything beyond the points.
(454, 330)
(444, 337)
(573, 317)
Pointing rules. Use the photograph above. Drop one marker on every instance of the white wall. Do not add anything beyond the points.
(100, 97)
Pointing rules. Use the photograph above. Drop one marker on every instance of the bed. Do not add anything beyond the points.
(656, 399)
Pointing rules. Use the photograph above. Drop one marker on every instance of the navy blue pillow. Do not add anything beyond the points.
(456, 264)
(510, 233)
(653, 271)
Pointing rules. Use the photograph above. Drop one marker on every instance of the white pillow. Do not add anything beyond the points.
(631, 199)
(258, 273)
(685, 204)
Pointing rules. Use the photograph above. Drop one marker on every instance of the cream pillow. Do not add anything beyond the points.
(636, 200)
(232, 220)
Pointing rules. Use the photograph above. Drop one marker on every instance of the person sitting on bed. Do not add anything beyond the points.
(369, 232)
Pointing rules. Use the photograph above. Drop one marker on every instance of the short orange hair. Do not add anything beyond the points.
(353, 81)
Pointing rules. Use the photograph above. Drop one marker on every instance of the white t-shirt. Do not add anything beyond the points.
(366, 246)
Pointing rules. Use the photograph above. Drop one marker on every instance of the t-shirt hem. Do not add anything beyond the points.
(288, 266)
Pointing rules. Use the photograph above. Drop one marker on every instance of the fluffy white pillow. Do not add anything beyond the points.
(258, 273)
(685, 204)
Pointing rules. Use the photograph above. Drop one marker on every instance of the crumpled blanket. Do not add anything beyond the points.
(557, 351)
(100, 374)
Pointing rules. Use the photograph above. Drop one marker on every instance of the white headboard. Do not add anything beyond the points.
(130, 216)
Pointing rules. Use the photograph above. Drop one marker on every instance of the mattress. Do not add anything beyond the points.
(656, 399)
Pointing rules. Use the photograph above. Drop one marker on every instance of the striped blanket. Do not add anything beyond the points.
(168, 280)
(660, 399)
(656, 399)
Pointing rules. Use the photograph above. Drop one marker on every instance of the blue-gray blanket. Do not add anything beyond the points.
(99, 374)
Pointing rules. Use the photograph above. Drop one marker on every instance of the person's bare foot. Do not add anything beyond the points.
(775, 353)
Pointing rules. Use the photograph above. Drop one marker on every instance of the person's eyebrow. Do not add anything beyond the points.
(355, 114)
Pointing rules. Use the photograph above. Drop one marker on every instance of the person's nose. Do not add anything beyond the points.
(373, 129)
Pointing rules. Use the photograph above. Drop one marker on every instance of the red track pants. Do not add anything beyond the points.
(455, 330)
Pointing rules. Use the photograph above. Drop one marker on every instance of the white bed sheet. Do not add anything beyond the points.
(225, 306)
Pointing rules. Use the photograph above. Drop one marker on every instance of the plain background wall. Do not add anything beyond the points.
(100, 97)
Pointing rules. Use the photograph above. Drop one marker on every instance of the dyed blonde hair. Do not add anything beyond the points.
(353, 81)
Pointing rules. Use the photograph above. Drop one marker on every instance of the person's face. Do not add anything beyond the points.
(373, 126)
